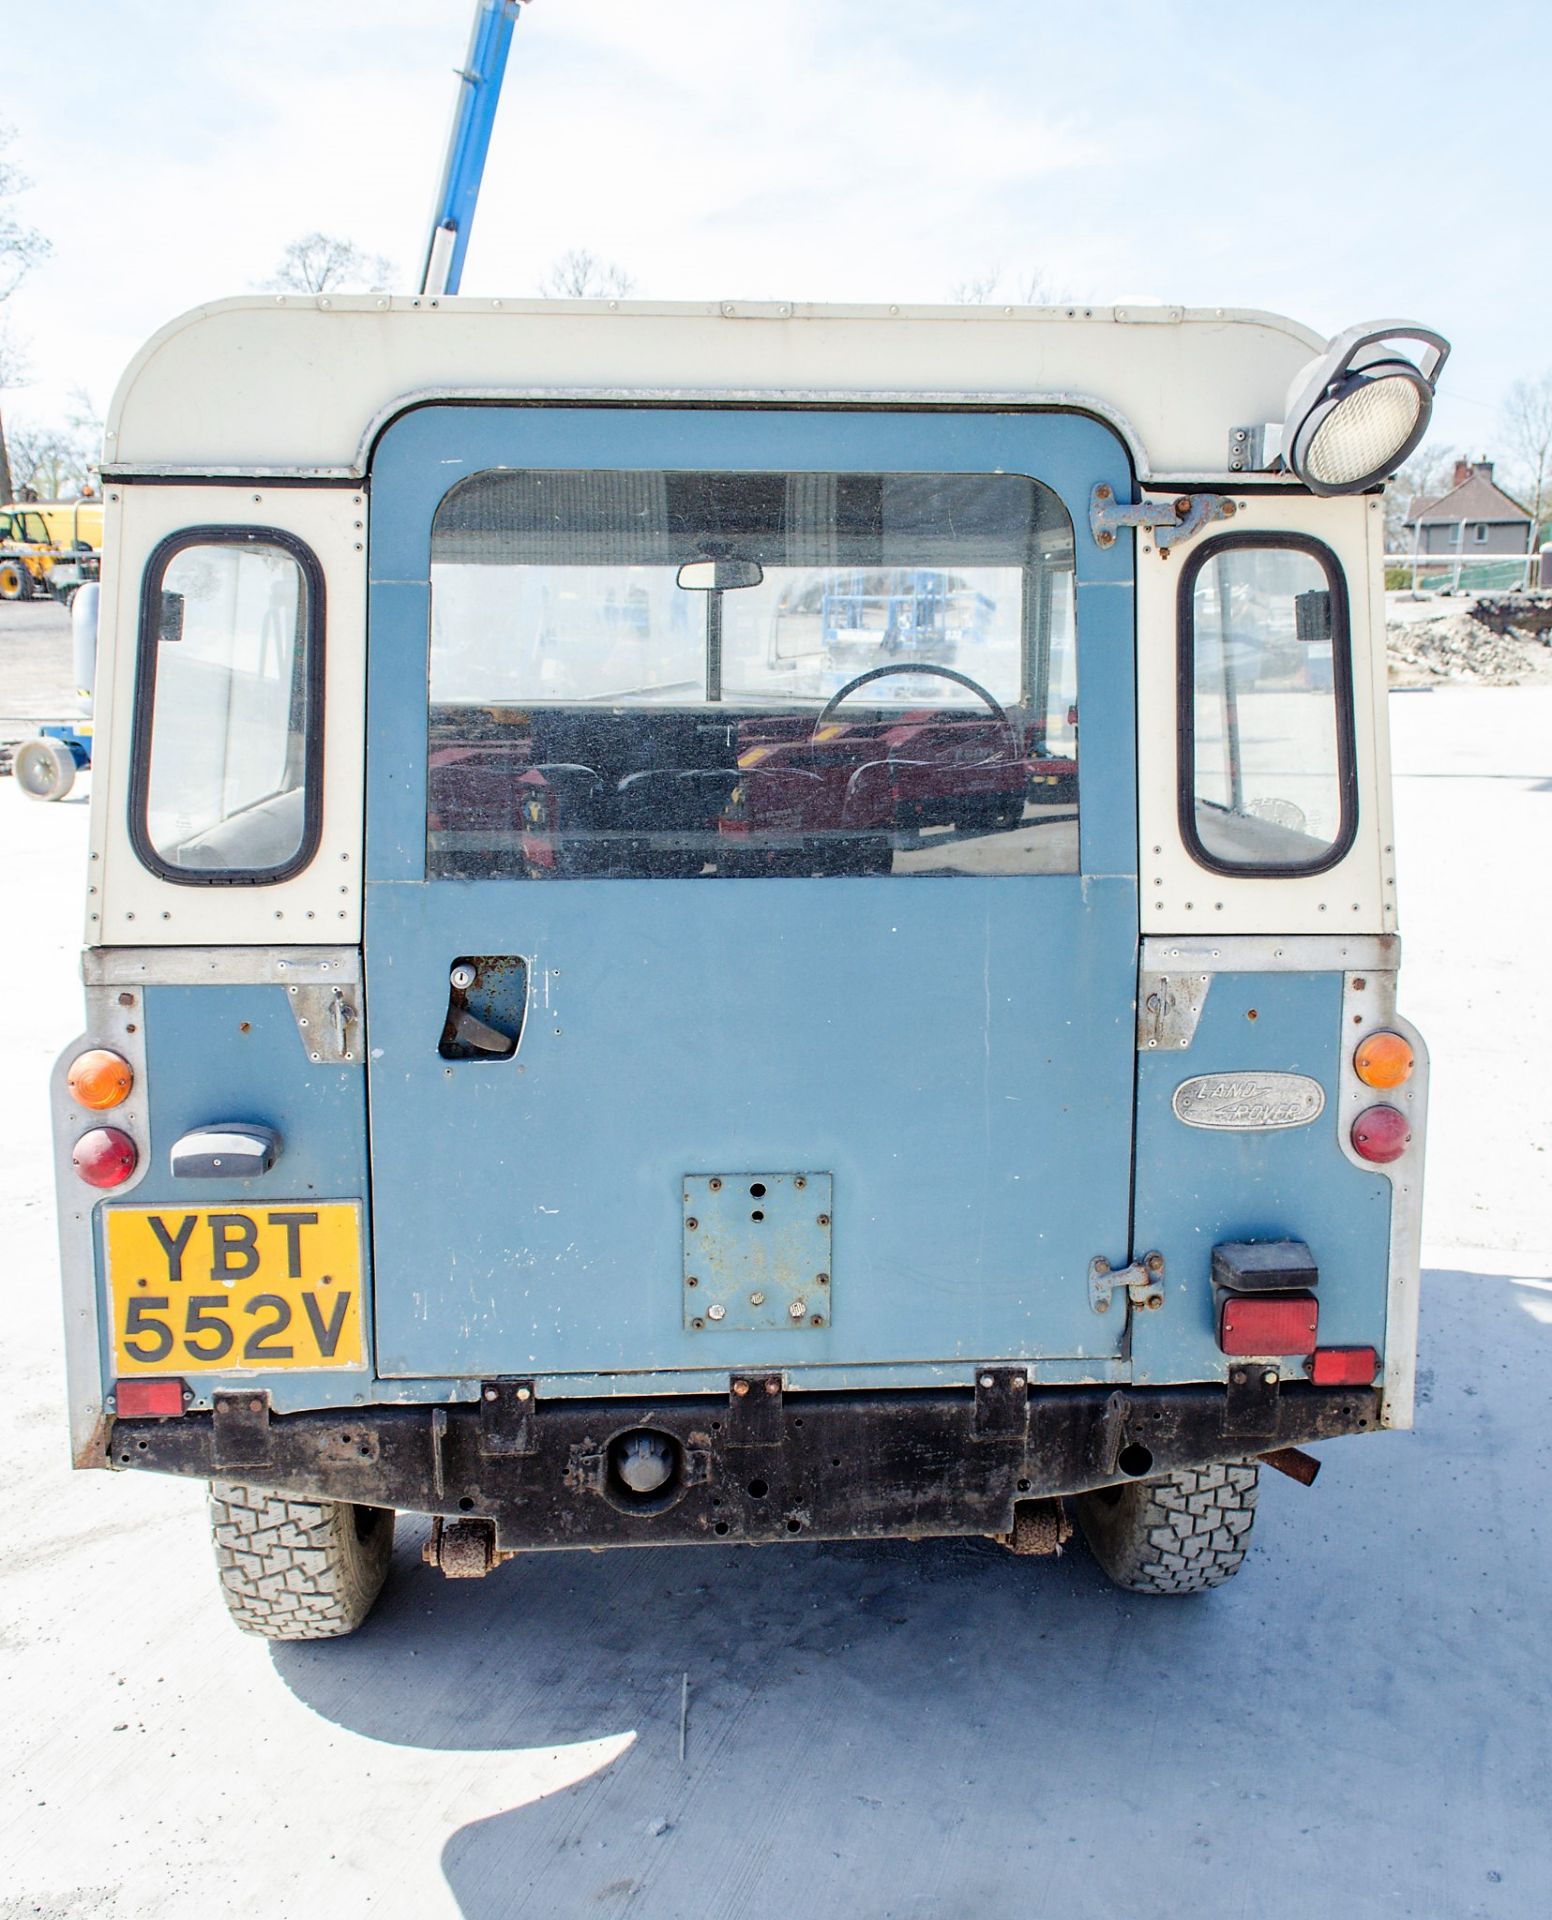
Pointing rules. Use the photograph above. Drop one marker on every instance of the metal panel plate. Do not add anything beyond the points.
(756, 1252)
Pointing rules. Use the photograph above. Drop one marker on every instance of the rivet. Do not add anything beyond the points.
(1269, 1378)
(773, 1386)
(716, 1311)
(798, 1309)
(987, 1380)
(755, 1299)
(490, 1393)
(740, 1387)
(525, 1393)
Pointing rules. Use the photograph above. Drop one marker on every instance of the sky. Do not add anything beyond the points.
(1335, 162)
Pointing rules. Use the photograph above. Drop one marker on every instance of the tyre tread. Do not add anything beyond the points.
(296, 1569)
(1182, 1534)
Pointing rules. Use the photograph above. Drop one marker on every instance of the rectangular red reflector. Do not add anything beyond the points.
(1344, 1367)
(1269, 1323)
(147, 1399)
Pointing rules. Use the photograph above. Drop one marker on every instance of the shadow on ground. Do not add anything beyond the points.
(936, 1729)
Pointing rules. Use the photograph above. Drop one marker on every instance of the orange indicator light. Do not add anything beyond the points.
(100, 1079)
(1383, 1060)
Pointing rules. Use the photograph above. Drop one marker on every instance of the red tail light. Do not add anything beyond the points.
(1268, 1323)
(1344, 1366)
(147, 1399)
(105, 1157)
(1381, 1134)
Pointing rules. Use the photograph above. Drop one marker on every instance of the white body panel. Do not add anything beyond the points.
(1178, 896)
(129, 906)
(305, 382)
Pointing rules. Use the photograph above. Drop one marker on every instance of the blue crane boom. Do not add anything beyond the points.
(468, 142)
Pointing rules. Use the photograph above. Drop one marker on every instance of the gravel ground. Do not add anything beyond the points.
(1438, 640)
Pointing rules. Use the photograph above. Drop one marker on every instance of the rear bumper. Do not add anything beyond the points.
(757, 1465)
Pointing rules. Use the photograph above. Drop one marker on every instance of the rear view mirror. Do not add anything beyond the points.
(719, 576)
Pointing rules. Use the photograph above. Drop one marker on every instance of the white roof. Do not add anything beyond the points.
(301, 383)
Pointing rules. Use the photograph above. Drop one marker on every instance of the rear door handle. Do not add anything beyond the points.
(486, 1001)
(467, 1031)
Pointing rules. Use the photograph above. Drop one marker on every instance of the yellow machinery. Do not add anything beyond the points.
(49, 547)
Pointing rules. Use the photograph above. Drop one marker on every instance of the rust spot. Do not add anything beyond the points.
(126, 999)
(244, 1026)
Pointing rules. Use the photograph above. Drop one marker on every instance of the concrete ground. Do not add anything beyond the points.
(1361, 1723)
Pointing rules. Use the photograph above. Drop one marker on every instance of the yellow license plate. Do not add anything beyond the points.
(235, 1289)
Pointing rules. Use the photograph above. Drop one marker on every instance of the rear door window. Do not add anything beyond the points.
(229, 707)
(751, 675)
(1267, 782)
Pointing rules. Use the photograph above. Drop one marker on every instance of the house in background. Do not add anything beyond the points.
(1474, 517)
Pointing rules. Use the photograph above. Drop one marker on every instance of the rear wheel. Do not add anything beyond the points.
(44, 769)
(15, 582)
(1182, 1534)
(297, 1569)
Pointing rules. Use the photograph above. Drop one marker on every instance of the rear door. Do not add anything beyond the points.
(750, 952)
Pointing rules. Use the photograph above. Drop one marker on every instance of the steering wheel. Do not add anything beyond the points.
(942, 673)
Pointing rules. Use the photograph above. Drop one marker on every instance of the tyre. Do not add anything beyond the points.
(15, 581)
(297, 1569)
(1182, 1534)
(44, 768)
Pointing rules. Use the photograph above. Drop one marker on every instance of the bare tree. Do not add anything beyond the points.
(1527, 432)
(977, 290)
(1032, 288)
(48, 462)
(21, 248)
(1426, 476)
(580, 275)
(324, 263)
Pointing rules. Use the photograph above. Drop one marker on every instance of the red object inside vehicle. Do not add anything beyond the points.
(1268, 1323)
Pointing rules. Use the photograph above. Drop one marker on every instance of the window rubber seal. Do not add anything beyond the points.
(145, 707)
(1342, 684)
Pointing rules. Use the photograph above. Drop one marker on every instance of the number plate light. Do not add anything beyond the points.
(105, 1157)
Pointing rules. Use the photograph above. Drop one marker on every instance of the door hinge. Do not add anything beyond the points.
(1171, 522)
(1143, 1282)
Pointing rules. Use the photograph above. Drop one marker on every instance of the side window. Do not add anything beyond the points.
(226, 786)
(1267, 781)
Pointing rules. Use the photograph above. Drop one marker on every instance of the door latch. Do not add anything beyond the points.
(1143, 1282)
